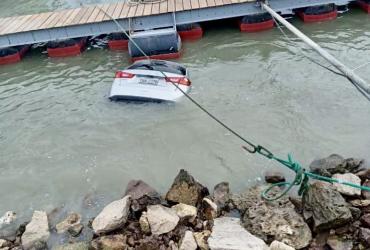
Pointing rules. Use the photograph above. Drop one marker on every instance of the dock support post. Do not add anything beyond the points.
(336, 63)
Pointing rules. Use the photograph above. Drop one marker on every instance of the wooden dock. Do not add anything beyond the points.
(91, 20)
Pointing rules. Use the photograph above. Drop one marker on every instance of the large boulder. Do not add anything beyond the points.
(273, 220)
(347, 190)
(142, 195)
(161, 219)
(113, 216)
(188, 242)
(110, 242)
(185, 189)
(227, 233)
(37, 232)
(335, 164)
(325, 206)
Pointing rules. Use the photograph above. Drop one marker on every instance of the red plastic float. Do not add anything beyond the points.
(118, 44)
(318, 18)
(13, 55)
(118, 41)
(256, 22)
(364, 5)
(159, 57)
(318, 13)
(255, 27)
(70, 47)
(193, 32)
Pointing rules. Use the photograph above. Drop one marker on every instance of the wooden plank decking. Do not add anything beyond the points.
(93, 14)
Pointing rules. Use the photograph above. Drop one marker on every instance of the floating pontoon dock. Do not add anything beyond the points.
(91, 20)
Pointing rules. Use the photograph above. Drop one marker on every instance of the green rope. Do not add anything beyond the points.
(301, 177)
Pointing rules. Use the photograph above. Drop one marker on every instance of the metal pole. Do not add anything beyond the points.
(340, 66)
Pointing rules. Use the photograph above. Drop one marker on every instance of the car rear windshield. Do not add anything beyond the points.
(159, 66)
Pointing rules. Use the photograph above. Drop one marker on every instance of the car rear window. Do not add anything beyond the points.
(159, 66)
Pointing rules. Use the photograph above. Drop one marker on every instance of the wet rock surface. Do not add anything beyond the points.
(185, 189)
(71, 224)
(325, 206)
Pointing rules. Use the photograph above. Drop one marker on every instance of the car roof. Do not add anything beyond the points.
(158, 62)
(160, 65)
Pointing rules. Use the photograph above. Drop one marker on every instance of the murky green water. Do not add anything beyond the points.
(61, 139)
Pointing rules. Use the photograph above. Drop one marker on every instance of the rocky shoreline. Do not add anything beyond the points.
(190, 217)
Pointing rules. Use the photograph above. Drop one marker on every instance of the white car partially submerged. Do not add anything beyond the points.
(151, 80)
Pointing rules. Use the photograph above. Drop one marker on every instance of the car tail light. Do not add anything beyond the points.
(122, 74)
(179, 80)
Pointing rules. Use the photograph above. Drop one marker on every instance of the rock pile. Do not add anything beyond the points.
(328, 216)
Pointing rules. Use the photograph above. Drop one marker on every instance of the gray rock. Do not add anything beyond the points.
(325, 206)
(328, 166)
(275, 220)
(335, 164)
(221, 195)
(228, 234)
(71, 224)
(337, 243)
(73, 246)
(110, 242)
(185, 189)
(142, 195)
(347, 190)
(277, 245)
(188, 242)
(274, 177)
(37, 232)
(113, 216)
(185, 212)
(161, 219)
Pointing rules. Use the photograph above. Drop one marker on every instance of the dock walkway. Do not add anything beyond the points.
(90, 20)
